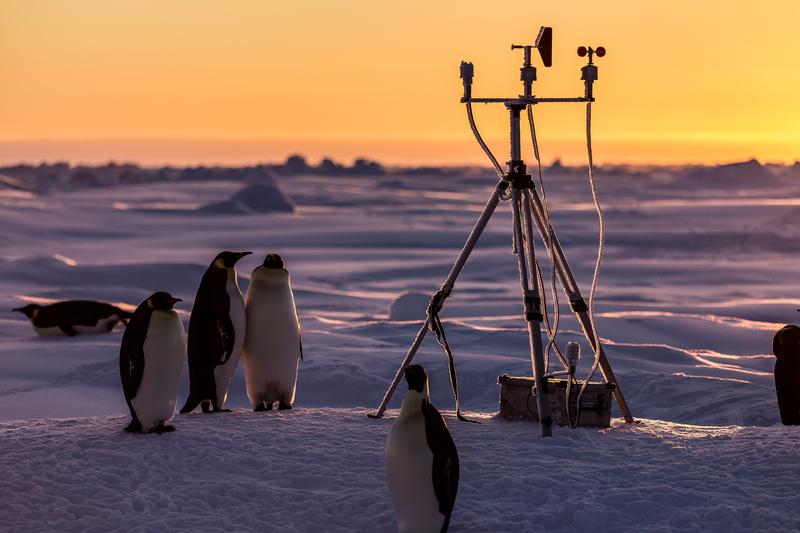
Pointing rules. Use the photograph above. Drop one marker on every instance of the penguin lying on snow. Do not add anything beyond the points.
(216, 334)
(73, 317)
(273, 348)
(786, 347)
(421, 461)
(151, 363)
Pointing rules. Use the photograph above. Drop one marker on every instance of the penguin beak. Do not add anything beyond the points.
(17, 310)
(173, 301)
(240, 255)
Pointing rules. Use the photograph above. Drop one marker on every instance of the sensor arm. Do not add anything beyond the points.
(528, 74)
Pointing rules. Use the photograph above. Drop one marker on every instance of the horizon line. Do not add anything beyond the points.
(462, 152)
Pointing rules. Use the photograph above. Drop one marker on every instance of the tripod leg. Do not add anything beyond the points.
(523, 233)
(447, 287)
(577, 303)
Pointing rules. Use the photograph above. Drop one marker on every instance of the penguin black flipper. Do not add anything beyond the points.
(227, 336)
(68, 330)
(445, 461)
(123, 315)
(300, 338)
(131, 358)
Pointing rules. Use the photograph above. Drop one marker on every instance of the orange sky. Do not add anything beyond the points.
(189, 81)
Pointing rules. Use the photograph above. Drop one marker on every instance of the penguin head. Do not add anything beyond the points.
(273, 261)
(416, 377)
(29, 310)
(229, 259)
(785, 342)
(163, 301)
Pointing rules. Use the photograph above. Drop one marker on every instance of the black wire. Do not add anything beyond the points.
(441, 338)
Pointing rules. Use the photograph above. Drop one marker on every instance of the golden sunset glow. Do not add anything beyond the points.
(243, 81)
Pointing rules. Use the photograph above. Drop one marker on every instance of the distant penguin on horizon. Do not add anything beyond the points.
(73, 317)
(151, 363)
(273, 348)
(216, 334)
(422, 466)
(786, 347)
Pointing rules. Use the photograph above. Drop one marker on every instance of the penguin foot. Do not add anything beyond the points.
(283, 406)
(161, 428)
(134, 427)
(206, 407)
(224, 410)
(263, 406)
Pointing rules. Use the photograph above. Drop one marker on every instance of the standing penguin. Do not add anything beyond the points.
(216, 334)
(151, 363)
(273, 347)
(786, 347)
(73, 317)
(421, 461)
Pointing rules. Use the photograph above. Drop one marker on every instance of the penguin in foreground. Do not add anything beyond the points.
(151, 363)
(216, 334)
(73, 317)
(273, 348)
(786, 347)
(421, 461)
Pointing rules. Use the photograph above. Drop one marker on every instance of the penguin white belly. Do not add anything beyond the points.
(164, 349)
(409, 469)
(272, 350)
(223, 373)
(49, 332)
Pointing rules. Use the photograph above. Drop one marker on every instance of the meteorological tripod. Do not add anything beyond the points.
(527, 210)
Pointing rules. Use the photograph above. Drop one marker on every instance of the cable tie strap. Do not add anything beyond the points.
(533, 306)
(437, 301)
(578, 305)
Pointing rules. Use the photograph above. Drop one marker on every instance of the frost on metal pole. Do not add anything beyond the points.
(529, 211)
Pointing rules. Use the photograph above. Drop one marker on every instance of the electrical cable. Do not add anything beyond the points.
(478, 137)
(552, 332)
(598, 261)
(438, 329)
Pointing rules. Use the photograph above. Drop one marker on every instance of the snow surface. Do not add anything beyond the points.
(697, 278)
(321, 469)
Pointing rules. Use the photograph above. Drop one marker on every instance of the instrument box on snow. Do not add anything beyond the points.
(518, 401)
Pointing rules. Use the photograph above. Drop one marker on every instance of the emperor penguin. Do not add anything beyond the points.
(151, 363)
(786, 347)
(73, 317)
(216, 334)
(421, 461)
(273, 348)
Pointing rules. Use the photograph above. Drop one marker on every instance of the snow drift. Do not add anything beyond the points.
(256, 198)
(409, 306)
